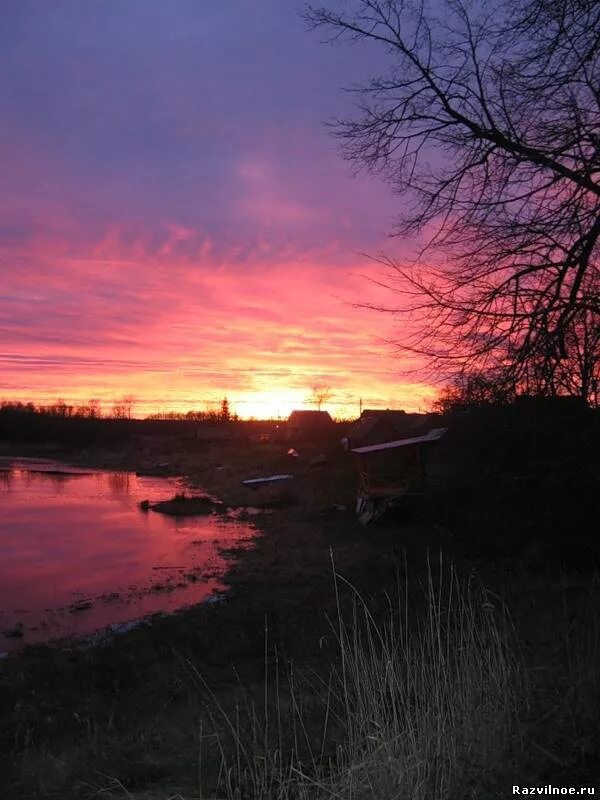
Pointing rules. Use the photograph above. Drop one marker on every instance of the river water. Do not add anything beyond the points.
(77, 554)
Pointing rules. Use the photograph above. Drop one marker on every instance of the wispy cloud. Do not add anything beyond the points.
(175, 221)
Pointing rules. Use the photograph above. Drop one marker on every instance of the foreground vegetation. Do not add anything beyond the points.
(404, 678)
(421, 708)
(439, 696)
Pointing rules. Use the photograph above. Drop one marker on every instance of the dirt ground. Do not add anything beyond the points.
(73, 720)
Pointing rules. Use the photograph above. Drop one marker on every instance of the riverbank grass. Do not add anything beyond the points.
(421, 708)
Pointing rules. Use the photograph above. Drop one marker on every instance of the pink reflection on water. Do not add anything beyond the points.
(68, 538)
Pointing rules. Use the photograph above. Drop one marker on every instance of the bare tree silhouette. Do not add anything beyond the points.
(225, 413)
(320, 394)
(123, 408)
(488, 122)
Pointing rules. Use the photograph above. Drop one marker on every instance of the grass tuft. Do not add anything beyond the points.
(421, 709)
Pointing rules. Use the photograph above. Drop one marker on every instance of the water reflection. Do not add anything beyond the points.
(77, 553)
(29, 477)
(119, 482)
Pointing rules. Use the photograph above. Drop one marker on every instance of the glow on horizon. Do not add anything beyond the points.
(180, 335)
(263, 405)
(174, 233)
(270, 405)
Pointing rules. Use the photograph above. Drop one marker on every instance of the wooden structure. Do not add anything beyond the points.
(391, 470)
(308, 424)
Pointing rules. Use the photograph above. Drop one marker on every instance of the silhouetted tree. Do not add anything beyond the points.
(94, 409)
(225, 413)
(123, 408)
(472, 390)
(129, 401)
(60, 409)
(488, 122)
(320, 394)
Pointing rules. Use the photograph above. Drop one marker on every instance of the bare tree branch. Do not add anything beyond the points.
(489, 126)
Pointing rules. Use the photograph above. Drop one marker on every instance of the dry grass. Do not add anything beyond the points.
(430, 702)
(433, 699)
(420, 710)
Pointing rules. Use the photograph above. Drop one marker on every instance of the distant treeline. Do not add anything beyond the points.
(211, 417)
(120, 409)
(84, 424)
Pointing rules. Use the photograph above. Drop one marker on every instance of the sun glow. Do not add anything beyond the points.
(270, 405)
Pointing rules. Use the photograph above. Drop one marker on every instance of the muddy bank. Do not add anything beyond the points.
(281, 588)
(185, 506)
(138, 699)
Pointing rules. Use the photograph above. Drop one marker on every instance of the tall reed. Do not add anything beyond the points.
(419, 706)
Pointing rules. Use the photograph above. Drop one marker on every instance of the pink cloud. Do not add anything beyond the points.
(188, 333)
(175, 222)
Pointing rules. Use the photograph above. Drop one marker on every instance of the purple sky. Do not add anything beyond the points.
(174, 214)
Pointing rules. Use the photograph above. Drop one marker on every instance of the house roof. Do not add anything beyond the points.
(391, 413)
(310, 418)
(433, 435)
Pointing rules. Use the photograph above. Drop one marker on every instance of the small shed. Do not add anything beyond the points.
(390, 470)
(308, 424)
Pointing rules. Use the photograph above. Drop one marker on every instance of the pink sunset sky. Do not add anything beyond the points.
(176, 223)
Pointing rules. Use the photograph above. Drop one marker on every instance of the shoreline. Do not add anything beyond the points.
(238, 540)
(281, 598)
